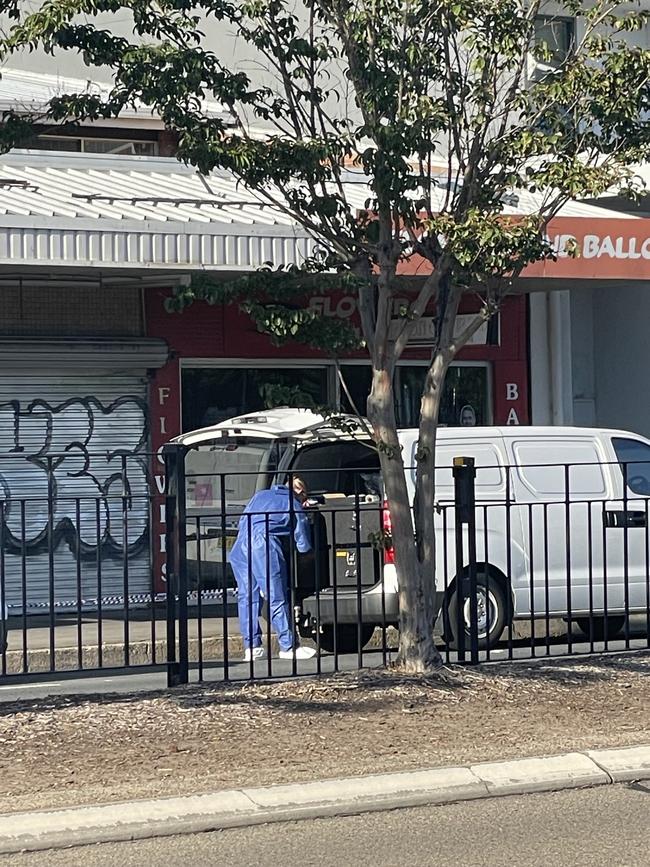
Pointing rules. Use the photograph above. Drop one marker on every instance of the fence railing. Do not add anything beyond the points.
(76, 561)
(530, 561)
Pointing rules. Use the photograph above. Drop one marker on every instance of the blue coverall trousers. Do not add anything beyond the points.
(265, 579)
(258, 561)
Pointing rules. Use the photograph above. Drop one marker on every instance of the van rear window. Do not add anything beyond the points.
(339, 467)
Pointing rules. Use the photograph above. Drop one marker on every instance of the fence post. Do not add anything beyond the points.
(176, 553)
(464, 473)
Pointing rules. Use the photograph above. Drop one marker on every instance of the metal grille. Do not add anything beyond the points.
(75, 312)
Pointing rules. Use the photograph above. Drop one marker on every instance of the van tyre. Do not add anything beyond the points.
(493, 614)
(347, 637)
(601, 630)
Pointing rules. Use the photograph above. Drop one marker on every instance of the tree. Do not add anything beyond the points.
(432, 105)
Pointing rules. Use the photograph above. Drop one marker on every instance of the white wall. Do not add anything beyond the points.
(606, 379)
(219, 37)
(551, 372)
(583, 375)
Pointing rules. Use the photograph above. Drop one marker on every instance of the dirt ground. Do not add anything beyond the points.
(65, 751)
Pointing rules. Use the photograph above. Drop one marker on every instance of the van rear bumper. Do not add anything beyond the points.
(370, 607)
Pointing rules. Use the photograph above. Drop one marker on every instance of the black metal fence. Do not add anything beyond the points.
(76, 558)
(531, 561)
(314, 576)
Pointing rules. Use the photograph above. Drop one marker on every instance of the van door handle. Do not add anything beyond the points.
(625, 518)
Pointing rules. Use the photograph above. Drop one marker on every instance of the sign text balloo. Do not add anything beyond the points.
(598, 246)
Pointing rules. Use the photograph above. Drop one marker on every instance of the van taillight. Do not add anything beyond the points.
(387, 526)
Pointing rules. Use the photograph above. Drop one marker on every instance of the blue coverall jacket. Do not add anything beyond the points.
(258, 561)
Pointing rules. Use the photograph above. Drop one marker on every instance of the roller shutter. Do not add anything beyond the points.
(74, 466)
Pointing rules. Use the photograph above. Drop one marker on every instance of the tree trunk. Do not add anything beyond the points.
(425, 486)
(417, 651)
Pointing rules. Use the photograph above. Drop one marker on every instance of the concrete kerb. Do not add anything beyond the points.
(113, 656)
(253, 806)
(521, 776)
(624, 764)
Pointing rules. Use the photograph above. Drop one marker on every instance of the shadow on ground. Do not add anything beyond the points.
(368, 689)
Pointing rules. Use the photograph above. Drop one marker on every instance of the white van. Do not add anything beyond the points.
(559, 533)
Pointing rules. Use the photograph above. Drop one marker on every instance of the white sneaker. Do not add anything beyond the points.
(255, 653)
(299, 652)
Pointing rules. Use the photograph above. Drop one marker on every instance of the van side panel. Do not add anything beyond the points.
(494, 555)
(489, 456)
(560, 487)
(498, 538)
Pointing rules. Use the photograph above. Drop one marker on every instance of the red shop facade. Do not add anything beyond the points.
(221, 366)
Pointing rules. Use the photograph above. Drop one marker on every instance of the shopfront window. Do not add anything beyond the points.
(358, 379)
(214, 394)
(465, 399)
(211, 395)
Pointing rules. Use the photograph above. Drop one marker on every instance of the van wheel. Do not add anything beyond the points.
(602, 631)
(492, 613)
(347, 637)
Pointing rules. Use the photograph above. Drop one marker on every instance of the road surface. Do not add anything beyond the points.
(603, 827)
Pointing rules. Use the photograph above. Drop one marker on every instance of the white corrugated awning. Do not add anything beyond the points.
(117, 212)
(103, 211)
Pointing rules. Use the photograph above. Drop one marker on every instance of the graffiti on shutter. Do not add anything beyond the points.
(75, 494)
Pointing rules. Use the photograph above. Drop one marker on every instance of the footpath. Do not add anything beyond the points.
(84, 642)
(112, 767)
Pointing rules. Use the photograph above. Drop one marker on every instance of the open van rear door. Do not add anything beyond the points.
(221, 475)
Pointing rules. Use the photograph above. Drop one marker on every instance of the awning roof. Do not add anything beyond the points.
(96, 210)
(109, 212)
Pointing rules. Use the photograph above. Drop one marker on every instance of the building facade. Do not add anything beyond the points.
(588, 329)
(96, 376)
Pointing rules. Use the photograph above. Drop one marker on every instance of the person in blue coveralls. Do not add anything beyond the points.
(260, 567)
